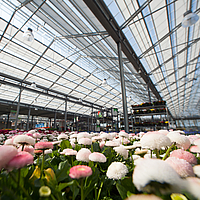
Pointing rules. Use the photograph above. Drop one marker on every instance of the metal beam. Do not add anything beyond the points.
(179, 68)
(27, 124)
(83, 35)
(152, 12)
(60, 94)
(54, 126)
(104, 57)
(65, 115)
(179, 52)
(123, 88)
(164, 37)
(18, 107)
(135, 14)
(103, 14)
(39, 58)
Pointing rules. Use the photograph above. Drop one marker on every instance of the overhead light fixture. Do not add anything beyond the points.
(189, 19)
(129, 99)
(28, 35)
(104, 82)
(33, 85)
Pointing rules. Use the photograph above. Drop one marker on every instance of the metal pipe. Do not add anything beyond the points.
(123, 89)
(65, 115)
(18, 107)
(54, 126)
(27, 124)
(8, 118)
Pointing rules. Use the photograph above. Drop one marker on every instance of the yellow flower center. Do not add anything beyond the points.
(81, 169)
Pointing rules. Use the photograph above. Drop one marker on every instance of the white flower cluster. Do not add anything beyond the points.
(116, 170)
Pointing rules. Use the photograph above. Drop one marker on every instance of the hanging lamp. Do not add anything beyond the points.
(189, 19)
(28, 35)
(104, 82)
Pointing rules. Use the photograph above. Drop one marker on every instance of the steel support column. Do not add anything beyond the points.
(54, 126)
(8, 118)
(18, 107)
(65, 115)
(27, 123)
(92, 120)
(32, 122)
(88, 125)
(123, 89)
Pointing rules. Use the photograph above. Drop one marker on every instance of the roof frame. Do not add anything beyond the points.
(102, 13)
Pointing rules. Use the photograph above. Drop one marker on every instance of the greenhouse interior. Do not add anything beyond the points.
(99, 99)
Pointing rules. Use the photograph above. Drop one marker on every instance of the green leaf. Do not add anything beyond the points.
(77, 147)
(61, 172)
(128, 184)
(55, 161)
(96, 147)
(122, 191)
(107, 185)
(64, 185)
(91, 181)
(24, 171)
(75, 189)
(65, 144)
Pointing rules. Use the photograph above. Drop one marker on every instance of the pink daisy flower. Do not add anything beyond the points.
(181, 140)
(20, 160)
(85, 141)
(7, 153)
(181, 154)
(112, 144)
(149, 171)
(155, 140)
(195, 149)
(63, 136)
(44, 145)
(8, 142)
(37, 135)
(101, 144)
(181, 166)
(23, 140)
(80, 171)
(197, 142)
(83, 155)
(196, 169)
(29, 134)
(27, 148)
(69, 152)
(97, 157)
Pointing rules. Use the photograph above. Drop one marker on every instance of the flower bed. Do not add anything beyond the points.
(101, 166)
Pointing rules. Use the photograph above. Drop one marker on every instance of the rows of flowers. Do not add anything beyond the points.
(101, 166)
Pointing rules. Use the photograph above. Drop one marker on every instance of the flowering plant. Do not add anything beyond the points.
(103, 166)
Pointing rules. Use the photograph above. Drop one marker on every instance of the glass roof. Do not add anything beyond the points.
(72, 53)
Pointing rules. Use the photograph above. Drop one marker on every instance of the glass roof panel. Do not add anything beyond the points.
(64, 59)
